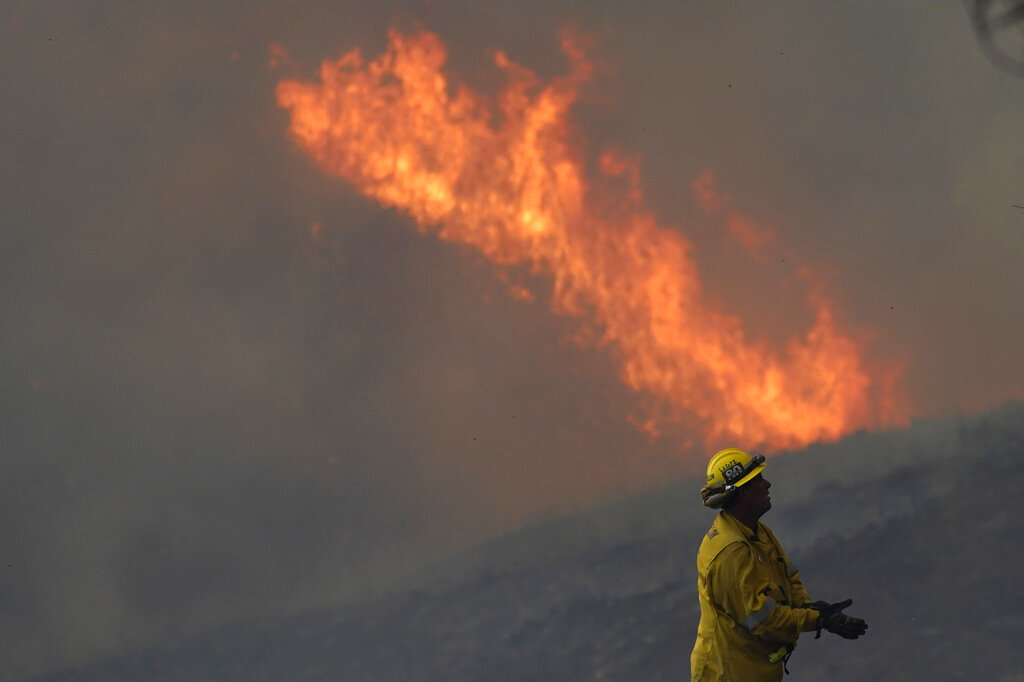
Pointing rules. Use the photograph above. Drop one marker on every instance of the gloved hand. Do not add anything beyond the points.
(832, 618)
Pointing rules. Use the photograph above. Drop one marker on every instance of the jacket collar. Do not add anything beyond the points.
(742, 528)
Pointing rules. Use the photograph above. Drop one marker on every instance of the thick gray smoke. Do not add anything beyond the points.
(214, 412)
(893, 520)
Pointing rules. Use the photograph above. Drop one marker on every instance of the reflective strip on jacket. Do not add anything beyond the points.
(750, 599)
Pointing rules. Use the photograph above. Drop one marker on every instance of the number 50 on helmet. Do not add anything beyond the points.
(728, 470)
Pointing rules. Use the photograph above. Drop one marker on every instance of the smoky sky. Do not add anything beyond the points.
(213, 410)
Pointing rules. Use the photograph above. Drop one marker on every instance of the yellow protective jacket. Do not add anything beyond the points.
(752, 603)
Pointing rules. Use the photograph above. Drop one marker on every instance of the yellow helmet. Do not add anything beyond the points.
(728, 470)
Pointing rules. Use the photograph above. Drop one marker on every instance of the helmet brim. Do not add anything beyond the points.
(750, 476)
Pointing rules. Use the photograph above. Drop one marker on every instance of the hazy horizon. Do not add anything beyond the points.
(235, 386)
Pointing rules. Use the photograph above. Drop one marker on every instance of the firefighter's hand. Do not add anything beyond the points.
(845, 626)
(832, 619)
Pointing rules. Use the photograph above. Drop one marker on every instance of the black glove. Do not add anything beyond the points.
(832, 618)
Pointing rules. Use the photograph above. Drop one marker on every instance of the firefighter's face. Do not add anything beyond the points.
(756, 493)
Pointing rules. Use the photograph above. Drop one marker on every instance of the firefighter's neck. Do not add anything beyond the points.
(747, 514)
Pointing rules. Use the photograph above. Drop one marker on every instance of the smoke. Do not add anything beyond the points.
(611, 593)
(211, 414)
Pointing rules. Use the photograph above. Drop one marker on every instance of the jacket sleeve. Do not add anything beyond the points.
(742, 587)
(797, 591)
(796, 586)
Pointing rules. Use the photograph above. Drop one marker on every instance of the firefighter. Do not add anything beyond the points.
(753, 605)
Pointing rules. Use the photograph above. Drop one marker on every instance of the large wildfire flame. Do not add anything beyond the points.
(506, 179)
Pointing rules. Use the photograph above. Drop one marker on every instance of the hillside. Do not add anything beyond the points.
(916, 526)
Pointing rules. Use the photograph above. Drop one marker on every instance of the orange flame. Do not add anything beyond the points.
(506, 180)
